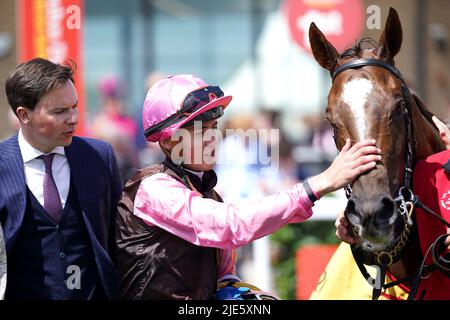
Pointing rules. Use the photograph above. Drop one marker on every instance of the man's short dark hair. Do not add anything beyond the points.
(29, 81)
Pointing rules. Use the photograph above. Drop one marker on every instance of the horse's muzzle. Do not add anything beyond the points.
(373, 220)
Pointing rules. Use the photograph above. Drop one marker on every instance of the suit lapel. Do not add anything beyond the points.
(13, 188)
(85, 179)
(80, 173)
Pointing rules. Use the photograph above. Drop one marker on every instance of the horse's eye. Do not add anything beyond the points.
(397, 110)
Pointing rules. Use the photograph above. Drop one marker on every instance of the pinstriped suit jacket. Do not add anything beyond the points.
(2, 265)
(98, 185)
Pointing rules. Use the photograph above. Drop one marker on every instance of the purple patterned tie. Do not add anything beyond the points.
(52, 201)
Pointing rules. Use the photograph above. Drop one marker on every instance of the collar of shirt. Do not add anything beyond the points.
(199, 174)
(30, 153)
(204, 183)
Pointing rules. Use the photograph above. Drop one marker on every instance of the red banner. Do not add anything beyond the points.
(310, 262)
(52, 29)
(341, 21)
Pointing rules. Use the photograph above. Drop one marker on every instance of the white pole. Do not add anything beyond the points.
(262, 265)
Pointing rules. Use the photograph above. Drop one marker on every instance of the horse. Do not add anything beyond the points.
(370, 99)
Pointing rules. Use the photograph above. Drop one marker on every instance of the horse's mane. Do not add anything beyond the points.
(423, 108)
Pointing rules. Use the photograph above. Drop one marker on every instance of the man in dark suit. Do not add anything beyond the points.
(58, 193)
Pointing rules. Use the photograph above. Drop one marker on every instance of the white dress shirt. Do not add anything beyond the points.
(35, 170)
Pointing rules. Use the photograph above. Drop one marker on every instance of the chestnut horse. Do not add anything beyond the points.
(369, 99)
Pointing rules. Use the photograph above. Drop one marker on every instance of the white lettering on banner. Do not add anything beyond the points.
(331, 23)
(445, 200)
(57, 49)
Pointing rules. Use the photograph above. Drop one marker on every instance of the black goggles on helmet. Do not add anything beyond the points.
(193, 101)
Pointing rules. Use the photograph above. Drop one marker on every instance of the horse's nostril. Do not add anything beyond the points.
(352, 215)
(385, 213)
(350, 207)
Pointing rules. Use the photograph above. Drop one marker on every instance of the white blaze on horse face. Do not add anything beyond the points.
(355, 95)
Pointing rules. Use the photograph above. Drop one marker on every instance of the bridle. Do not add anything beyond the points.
(405, 200)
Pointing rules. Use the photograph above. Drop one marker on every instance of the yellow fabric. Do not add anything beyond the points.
(342, 280)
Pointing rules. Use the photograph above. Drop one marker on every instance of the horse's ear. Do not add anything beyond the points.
(324, 52)
(391, 38)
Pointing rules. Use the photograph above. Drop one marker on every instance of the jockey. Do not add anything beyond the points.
(175, 236)
(432, 186)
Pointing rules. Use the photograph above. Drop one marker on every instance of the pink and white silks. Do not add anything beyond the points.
(164, 202)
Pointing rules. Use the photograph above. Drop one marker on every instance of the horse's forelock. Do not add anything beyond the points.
(358, 47)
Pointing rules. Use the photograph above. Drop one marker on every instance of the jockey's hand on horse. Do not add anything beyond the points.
(348, 165)
(351, 162)
(444, 131)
